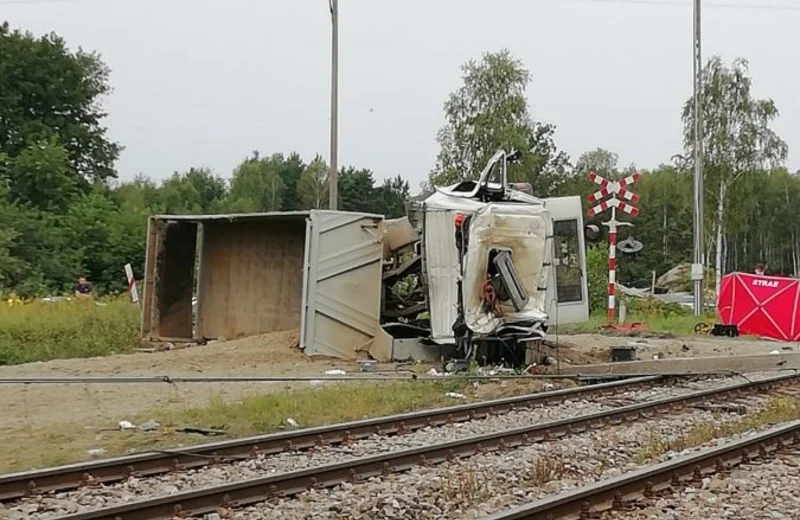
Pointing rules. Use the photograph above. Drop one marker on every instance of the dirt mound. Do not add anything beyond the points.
(274, 347)
(574, 355)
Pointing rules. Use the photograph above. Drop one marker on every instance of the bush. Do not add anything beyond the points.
(40, 331)
(651, 307)
(597, 278)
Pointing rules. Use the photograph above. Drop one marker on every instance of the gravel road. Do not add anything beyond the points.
(768, 490)
(468, 483)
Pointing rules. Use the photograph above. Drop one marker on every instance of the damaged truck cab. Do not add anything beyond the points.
(477, 262)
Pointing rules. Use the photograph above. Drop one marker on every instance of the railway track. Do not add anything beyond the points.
(626, 490)
(242, 493)
(62, 478)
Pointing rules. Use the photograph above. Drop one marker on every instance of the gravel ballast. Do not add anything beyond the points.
(765, 490)
(484, 484)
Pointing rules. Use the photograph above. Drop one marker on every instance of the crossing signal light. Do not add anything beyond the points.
(592, 232)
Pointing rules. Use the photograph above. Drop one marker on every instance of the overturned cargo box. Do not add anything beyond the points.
(317, 271)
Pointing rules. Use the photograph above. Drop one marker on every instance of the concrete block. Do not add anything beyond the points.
(763, 362)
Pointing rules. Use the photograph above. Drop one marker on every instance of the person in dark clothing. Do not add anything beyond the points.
(83, 289)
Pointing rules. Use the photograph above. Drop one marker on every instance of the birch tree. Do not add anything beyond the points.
(488, 112)
(599, 161)
(312, 188)
(256, 185)
(737, 138)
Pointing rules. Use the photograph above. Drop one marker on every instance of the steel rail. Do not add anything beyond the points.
(72, 476)
(616, 492)
(118, 380)
(261, 489)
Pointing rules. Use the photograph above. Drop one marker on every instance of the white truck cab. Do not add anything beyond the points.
(496, 265)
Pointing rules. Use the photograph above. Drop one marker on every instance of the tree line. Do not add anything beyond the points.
(99, 229)
(63, 211)
(752, 199)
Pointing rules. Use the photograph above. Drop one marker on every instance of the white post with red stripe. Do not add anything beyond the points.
(612, 265)
(615, 189)
(131, 283)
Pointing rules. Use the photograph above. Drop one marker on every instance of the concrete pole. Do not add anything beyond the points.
(698, 264)
(333, 178)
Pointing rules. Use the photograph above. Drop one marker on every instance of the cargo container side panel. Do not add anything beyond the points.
(343, 297)
(252, 277)
(148, 293)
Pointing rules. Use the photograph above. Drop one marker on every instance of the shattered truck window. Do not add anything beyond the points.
(567, 261)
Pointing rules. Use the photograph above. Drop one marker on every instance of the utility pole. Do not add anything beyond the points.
(698, 264)
(333, 178)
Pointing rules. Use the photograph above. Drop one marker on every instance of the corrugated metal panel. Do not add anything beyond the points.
(342, 282)
(441, 258)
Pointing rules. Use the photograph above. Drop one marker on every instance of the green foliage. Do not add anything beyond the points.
(392, 196)
(597, 281)
(657, 324)
(198, 191)
(356, 186)
(664, 226)
(652, 308)
(599, 161)
(40, 331)
(50, 95)
(290, 170)
(312, 186)
(489, 112)
(257, 185)
(597, 278)
(40, 176)
(736, 133)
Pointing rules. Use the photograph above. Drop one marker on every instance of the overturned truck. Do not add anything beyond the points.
(478, 270)
(473, 272)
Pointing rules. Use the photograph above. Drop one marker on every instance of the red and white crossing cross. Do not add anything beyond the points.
(616, 203)
(615, 189)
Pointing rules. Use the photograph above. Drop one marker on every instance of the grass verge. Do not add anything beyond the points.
(256, 414)
(41, 331)
(780, 409)
(657, 325)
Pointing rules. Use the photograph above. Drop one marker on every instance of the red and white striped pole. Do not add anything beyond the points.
(616, 190)
(612, 266)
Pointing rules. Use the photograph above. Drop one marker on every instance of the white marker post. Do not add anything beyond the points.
(131, 284)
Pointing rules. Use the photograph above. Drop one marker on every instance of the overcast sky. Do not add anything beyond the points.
(205, 82)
